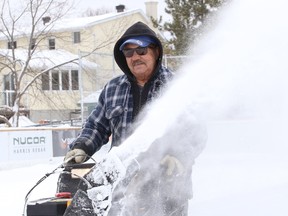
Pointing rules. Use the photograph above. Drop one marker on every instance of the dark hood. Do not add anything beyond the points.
(137, 29)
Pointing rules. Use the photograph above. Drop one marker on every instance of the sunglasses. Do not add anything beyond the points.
(139, 50)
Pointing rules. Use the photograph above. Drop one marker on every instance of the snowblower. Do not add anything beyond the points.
(90, 189)
(82, 189)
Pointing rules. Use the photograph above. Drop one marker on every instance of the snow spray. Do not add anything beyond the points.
(237, 71)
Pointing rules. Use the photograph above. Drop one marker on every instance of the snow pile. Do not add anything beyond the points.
(23, 121)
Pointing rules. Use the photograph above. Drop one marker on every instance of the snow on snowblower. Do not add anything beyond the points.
(82, 189)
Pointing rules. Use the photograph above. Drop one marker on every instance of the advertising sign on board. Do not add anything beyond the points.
(30, 144)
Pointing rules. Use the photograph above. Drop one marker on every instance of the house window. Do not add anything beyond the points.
(75, 80)
(9, 89)
(55, 80)
(12, 45)
(45, 81)
(51, 43)
(65, 80)
(60, 80)
(33, 43)
(76, 37)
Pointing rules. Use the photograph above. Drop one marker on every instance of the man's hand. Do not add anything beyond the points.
(173, 165)
(75, 156)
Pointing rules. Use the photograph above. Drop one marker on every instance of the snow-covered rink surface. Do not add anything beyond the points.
(240, 184)
(242, 171)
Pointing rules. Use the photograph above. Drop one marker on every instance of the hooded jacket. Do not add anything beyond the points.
(121, 99)
(138, 29)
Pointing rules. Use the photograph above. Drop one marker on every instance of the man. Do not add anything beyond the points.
(138, 53)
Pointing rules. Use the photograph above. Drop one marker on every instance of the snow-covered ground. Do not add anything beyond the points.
(17, 178)
(242, 171)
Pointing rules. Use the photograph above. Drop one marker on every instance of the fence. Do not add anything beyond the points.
(174, 62)
(22, 144)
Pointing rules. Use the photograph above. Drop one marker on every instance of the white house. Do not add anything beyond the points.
(89, 41)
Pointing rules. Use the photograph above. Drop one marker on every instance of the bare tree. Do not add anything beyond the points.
(39, 18)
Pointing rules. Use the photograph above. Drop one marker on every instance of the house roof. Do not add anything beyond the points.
(76, 23)
(84, 22)
(49, 58)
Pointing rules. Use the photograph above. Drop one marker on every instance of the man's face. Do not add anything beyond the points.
(142, 66)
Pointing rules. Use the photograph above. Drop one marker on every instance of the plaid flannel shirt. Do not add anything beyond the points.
(113, 113)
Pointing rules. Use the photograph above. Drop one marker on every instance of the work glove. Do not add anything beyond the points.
(173, 165)
(75, 156)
